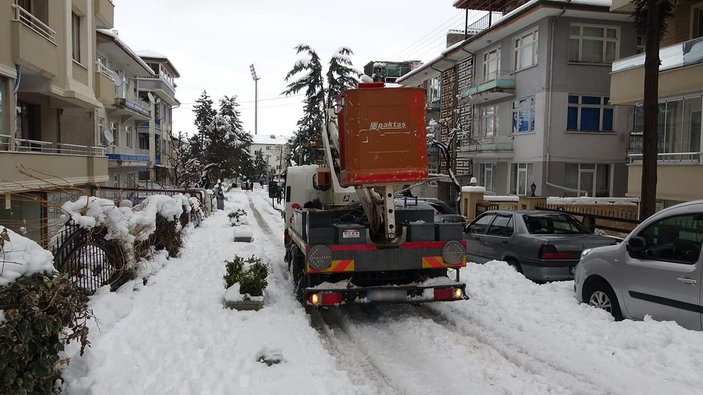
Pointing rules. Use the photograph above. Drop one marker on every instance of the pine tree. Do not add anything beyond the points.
(204, 112)
(242, 140)
(341, 75)
(308, 71)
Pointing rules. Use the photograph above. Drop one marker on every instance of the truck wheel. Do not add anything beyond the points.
(298, 276)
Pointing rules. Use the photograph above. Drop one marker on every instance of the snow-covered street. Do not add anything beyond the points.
(174, 336)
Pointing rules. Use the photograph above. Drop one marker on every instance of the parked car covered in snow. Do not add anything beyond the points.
(543, 245)
(655, 271)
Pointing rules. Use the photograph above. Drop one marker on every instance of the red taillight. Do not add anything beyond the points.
(443, 293)
(325, 298)
(550, 252)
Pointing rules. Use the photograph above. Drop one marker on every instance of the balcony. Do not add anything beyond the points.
(34, 164)
(499, 86)
(134, 107)
(489, 148)
(104, 14)
(679, 73)
(634, 154)
(104, 88)
(34, 43)
(161, 86)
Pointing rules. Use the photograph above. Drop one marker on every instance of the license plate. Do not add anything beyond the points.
(572, 269)
(386, 295)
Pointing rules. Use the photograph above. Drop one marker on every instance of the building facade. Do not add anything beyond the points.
(528, 98)
(272, 148)
(49, 146)
(680, 105)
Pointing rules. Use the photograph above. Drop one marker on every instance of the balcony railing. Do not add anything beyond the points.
(488, 147)
(670, 158)
(49, 147)
(497, 85)
(137, 106)
(32, 22)
(682, 54)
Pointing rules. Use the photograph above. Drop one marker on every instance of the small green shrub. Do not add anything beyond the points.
(236, 214)
(42, 314)
(250, 273)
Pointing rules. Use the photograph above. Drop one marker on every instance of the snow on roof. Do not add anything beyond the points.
(111, 34)
(22, 257)
(273, 139)
(147, 53)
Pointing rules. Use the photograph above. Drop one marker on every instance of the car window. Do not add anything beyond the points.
(553, 224)
(442, 207)
(481, 224)
(499, 227)
(675, 239)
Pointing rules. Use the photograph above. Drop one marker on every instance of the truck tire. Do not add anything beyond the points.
(298, 273)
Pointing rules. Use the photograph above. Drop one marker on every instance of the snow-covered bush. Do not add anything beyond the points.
(238, 217)
(42, 311)
(247, 276)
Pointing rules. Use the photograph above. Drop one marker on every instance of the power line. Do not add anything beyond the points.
(405, 50)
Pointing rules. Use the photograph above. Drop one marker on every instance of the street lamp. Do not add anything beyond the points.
(256, 97)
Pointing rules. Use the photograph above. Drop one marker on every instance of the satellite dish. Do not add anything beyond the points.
(108, 136)
(151, 96)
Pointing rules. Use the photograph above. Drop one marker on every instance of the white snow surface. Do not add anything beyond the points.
(473, 188)
(21, 256)
(173, 335)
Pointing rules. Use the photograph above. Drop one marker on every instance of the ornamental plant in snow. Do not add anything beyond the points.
(237, 217)
(248, 275)
(41, 313)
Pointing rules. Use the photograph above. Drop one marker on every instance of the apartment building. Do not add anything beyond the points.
(118, 68)
(526, 97)
(159, 89)
(679, 167)
(272, 149)
(48, 140)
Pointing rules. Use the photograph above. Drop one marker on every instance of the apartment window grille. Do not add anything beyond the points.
(485, 175)
(76, 36)
(524, 115)
(525, 50)
(589, 114)
(520, 174)
(491, 63)
(587, 179)
(593, 43)
(488, 121)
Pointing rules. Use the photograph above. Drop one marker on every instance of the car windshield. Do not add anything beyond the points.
(553, 224)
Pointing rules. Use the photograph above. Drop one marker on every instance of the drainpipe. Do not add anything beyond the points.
(548, 129)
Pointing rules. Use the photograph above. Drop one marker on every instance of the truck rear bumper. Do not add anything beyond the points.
(334, 294)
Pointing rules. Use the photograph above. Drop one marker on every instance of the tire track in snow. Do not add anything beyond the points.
(575, 381)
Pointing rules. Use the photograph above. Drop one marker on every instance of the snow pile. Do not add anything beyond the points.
(473, 188)
(91, 212)
(499, 198)
(142, 223)
(20, 256)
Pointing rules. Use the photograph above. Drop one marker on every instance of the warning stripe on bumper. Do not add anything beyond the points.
(342, 265)
(436, 262)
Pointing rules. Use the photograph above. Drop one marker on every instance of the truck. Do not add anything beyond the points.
(346, 242)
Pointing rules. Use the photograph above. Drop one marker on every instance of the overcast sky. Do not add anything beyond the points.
(213, 42)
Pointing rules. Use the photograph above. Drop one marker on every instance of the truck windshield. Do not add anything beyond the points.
(553, 224)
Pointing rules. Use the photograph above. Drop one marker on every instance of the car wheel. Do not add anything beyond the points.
(601, 295)
(514, 264)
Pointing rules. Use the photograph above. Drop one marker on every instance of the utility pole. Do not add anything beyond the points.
(256, 97)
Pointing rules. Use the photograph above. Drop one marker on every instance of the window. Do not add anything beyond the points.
(3, 103)
(128, 136)
(641, 43)
(587, 179)
(76, 36)
(491, 62)
(593, 43)
(675, 239)
(526, 50)
(481, 225)
(679, 125)
(501, 226)
(553, 224)
(485, 175)
(115, 129)
(524, 115)
(589, 114)
(488, 120)
(433, 94)
(697, 15)
(520, 174)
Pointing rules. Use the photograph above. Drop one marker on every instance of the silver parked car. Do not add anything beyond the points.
(655, 271)
(543, 245)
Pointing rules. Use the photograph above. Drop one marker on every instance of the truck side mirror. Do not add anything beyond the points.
(636, 246)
